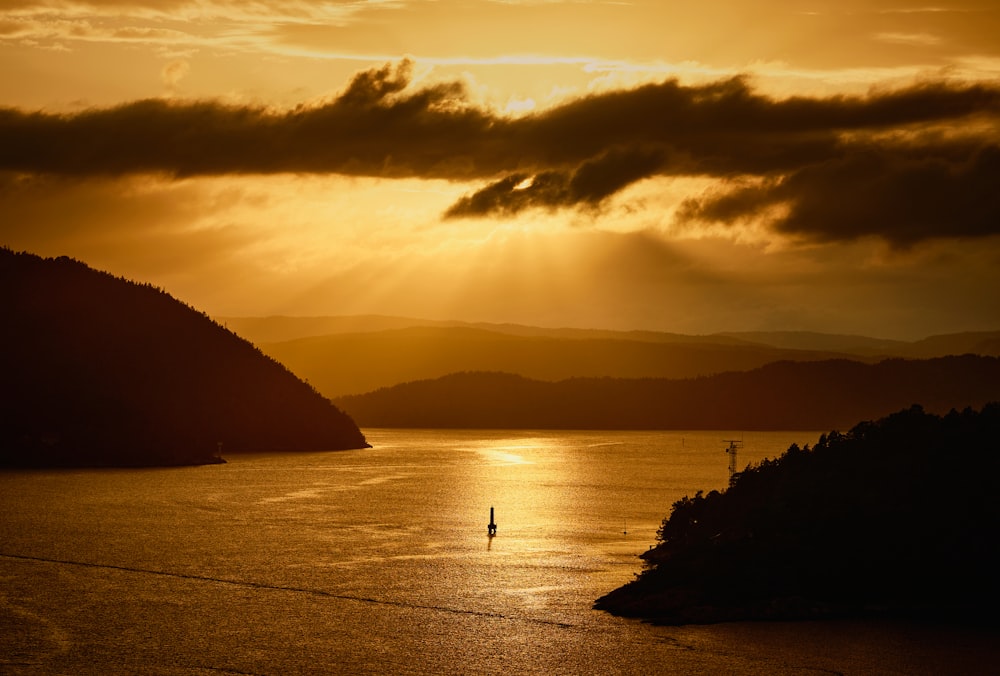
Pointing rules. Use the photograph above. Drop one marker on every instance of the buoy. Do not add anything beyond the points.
(491, 529)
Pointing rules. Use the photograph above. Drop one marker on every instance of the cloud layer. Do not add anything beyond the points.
(907, 164)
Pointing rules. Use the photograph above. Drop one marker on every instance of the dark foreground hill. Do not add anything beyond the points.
(897, 517)
(783, 395)
(102, 371)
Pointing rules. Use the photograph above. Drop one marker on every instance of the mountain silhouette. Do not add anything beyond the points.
(350, 355)
(100, 370)
(813, 395)
(353, 363)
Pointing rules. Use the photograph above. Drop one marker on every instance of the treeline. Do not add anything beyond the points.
(895, 517)
(782, 395)
(98, 370)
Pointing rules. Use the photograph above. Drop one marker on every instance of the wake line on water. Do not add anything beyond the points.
(299, 590)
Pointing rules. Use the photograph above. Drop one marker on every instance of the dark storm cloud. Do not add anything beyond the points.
(588, 184)
(840, 167)
(903, 194)
(368, 130)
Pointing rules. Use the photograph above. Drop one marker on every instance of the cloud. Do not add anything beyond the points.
(223, 26)
(902, 194)
(589, 184)
(370, 130)
(174, 72)
(905, 196)
(840, 167)
(920, 39)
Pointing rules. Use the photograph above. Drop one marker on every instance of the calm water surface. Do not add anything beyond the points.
(377, 561)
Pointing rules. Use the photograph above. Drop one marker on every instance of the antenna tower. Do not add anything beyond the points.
(734, 446)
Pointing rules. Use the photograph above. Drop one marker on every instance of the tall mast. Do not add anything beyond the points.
(734, 446)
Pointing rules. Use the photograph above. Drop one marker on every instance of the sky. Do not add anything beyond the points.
(811, 165)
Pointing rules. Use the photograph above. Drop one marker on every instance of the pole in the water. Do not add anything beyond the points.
(491, 529)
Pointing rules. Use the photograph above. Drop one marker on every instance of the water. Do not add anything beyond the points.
(377, 561)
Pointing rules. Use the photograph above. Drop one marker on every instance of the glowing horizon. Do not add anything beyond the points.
(597, 165)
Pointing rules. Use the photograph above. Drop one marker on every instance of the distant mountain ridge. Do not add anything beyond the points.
(356, 354)
(811, 340)
(352, 363)
(969, 342)
(782, 395)
(280, 328)
(99, 370)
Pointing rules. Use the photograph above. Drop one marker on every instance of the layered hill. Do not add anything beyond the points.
(352, 363)
(99, 370)
(968, 342)
(895, 517)
(811, 395)
(356, 354)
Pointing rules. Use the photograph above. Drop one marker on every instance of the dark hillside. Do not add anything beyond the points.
(103, 371)
(896, 517)
(783, 395)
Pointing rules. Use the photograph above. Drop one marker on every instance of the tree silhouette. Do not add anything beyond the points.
(895, 516)
(100, 370)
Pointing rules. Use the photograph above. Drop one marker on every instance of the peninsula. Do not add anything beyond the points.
(896, 517)
(103, 371)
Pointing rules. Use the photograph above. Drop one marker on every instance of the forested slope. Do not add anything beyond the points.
(895, 517)
(784, 395)
(99, 370)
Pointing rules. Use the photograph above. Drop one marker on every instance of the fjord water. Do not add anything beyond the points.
(378, 561)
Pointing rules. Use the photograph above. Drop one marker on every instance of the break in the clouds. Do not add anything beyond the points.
(906, 164)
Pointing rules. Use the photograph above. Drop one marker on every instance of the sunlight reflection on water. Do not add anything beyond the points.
(378, 561)
(511, 451)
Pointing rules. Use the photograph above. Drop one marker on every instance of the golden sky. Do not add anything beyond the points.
(691, 167)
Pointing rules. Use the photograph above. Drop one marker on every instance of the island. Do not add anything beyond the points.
(897, 517)
(103, 371)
